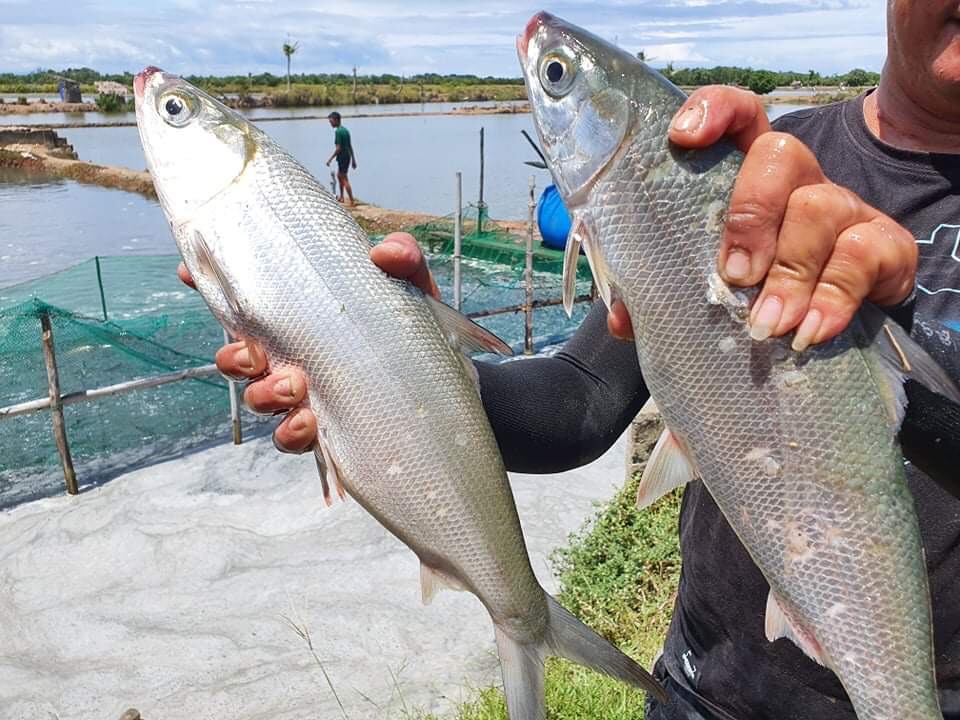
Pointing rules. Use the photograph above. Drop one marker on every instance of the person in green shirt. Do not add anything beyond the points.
(344, 155)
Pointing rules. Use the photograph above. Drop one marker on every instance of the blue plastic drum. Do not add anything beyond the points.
(553, 219)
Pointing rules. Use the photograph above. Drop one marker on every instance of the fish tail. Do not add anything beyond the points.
(569, 638)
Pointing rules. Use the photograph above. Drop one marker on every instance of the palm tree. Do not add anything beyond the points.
(289, 50)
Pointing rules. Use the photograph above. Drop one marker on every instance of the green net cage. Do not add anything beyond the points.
(117, 319)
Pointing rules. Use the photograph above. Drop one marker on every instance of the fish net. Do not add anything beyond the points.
(117, 319)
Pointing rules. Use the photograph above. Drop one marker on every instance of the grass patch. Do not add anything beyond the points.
(619, 574)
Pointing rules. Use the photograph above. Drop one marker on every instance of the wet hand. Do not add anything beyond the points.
(817, 248)
(268, 393)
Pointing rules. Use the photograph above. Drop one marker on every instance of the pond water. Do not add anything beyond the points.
(404, 162)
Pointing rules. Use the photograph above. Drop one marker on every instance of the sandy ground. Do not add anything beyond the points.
(45, 107)
(167, 588)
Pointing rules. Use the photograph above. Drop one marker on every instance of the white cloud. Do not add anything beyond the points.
(410, 36)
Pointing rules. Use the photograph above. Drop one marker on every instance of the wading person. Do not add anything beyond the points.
(843, 203)
(343, 154)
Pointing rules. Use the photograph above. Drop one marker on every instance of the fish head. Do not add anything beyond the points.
(581, 113)
(194, 145)
(588, 99)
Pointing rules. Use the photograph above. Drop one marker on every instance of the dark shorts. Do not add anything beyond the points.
(343, 164)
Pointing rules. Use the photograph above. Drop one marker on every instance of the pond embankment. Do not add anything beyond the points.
(43, 152)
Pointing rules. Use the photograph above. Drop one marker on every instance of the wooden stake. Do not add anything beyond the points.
(458, 246)
(528, 274)
(234, 407)
(56, 408)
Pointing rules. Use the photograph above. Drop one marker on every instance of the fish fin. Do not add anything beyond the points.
(432, 581)
(568, 637)
(322, 469)
(328, 468)
(598, 263)
(571, 256)
(522, 668)
(777, 625)
(212, 271)
(901, 358)
(668, 467)
(463, 333)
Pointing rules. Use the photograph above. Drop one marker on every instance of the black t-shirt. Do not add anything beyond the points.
(716, 643)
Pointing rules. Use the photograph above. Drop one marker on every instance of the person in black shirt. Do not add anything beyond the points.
(842, 203)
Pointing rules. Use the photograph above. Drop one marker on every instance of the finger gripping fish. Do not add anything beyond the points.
(402, 428)
(798, 450)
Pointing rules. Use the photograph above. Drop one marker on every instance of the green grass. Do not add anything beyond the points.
(619, 574)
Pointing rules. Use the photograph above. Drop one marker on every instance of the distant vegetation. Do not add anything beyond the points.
(764, 81)
(344, 89)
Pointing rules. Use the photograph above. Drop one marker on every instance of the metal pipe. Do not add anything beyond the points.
(520, 308)
(30, 406)
(458, 245)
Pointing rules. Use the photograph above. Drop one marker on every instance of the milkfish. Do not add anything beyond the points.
(799, 450)
(402, 427)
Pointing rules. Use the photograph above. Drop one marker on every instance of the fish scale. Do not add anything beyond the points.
(798, 450)
(402, 427)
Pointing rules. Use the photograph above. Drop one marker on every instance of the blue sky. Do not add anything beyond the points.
(411, 36)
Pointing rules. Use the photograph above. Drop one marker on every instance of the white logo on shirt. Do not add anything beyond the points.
(943, 233)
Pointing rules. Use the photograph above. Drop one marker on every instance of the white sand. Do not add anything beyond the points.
(165, 589)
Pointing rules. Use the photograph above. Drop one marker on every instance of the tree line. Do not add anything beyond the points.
(760, 81)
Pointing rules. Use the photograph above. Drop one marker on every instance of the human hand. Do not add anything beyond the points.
(275, 392)
(328, 163)
(818, 249)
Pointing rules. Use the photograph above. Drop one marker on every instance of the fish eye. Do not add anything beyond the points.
(176, 109)
(558, 70)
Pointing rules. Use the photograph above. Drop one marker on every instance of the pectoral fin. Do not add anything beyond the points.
(668, 467)
(571, 256)
(212, 271)
(585, 230)
(463, 333)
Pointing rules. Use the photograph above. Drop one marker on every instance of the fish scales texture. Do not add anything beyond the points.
(400, 420)
(797, 450)
(445, 494)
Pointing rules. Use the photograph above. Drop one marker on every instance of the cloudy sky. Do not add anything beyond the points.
(411, 36)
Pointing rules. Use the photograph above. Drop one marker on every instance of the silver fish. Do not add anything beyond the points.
(402, 428)
(798, 450)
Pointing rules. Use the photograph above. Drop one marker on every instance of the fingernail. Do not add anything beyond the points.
(285, 386)
(737, 266)
(767, 318)
(243, 358)
(807, 331)
(689, 120)
(298, 423)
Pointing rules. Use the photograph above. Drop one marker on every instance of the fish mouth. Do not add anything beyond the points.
(141, 80)
(535, 23)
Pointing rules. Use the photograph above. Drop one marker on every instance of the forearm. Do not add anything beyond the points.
(551, 414)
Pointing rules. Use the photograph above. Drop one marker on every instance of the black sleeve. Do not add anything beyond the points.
(551, 414)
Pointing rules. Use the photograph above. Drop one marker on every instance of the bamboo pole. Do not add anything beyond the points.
(528, 274)
(517, 308)
(458, 245)
(31, 406)
(56, 407)
(234, 407)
